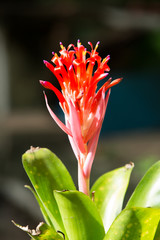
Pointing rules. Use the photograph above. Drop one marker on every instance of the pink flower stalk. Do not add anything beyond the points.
(83, 106)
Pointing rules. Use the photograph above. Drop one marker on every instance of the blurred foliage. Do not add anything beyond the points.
(143, 164)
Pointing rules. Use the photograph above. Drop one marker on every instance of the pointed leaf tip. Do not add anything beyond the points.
(129, 165)
(32, 149)
(147, 192)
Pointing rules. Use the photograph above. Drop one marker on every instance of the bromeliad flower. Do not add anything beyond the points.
(83, 105)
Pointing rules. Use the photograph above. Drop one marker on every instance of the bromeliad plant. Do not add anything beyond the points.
(83, 107)
(96, 213)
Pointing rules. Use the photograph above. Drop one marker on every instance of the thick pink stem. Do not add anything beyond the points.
(83, 181)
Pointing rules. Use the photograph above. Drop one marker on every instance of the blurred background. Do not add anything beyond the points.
(128, 30)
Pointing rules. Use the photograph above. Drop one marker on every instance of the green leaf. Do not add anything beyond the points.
(134, 223)
(80, 216)
(109, 193)
(147, 193)
(47, 173)
(42, 232)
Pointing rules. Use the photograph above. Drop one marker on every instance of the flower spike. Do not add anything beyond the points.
(83, 105)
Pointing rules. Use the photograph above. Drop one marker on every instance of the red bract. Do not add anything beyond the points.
(83, 105)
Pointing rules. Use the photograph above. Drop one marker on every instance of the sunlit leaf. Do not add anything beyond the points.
(80, 216)
(147, 193)
(109, 191)
(134, 224)
(47, 173)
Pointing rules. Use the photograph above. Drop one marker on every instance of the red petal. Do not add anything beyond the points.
(105, 85)
(98, 78)
(49, 65)
(72, 77)
(113, 83)
(54, 89)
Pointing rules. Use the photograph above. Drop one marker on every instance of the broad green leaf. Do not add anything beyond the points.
(109, 191)
(47, 173)
(80, 216)
(147, 193)
(135, 224)
(42, 232)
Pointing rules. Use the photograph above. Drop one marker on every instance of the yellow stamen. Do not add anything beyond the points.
(97, 44)
(61, 45)
(104, 60)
